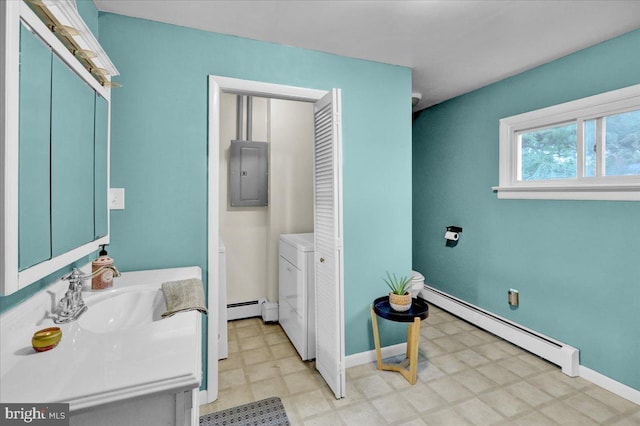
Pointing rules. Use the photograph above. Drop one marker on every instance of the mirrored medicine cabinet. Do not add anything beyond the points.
(56, 154)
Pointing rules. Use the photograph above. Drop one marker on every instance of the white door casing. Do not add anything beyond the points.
(217, 85)
(328, 241)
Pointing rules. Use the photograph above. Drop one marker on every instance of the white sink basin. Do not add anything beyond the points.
(132, 309)
(118, 350)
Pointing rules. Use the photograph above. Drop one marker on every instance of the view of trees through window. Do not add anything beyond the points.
(551, 153)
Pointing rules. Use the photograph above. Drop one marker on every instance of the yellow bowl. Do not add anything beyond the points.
(46, 339)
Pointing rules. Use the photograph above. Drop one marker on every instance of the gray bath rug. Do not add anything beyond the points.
(267, 412)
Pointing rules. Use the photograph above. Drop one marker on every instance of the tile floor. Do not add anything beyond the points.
(465, 377)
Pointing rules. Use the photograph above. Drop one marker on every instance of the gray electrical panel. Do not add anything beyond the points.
(249, 174)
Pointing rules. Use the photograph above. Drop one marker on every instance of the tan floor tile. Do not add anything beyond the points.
(498, 374)
(474, 381)
(414, 422)
(251, 331)
(448, 328)
(531, 419)
(449, 389)
(431, 333)
(449, 363)
(276, 338)
(478, 413)
(230, 378)
(232, 397)
(361, 370)
(255, 356)
(361, 413)
(423, 398)
(471, 358)
(353, 395)
(230, 363)
(627, 421)
(551, 384)
(486, 337)
(233, 346)
(290, 365)
(330, 418)
(253, 342)
(566, 415)
(509, 348)
(591, 407)
(612, 400)
(469, 339)
(428, 372)
(537, 363)
(303, 381)
(273, 386)
(516, 366)
(445, 417)
(310, 404)
(283, 350)
(430, 349)
(372, 386)
(529, 393)
(505, 403)
(449, 344)
(393, 408)
(271, 328)
(491, 351)
(261, 371)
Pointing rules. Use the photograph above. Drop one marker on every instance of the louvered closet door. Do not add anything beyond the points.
(328, 242)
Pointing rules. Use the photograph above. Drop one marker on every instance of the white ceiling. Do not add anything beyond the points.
(452, 46)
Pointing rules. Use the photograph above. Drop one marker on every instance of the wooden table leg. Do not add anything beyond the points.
(376, 337)
(413, 341)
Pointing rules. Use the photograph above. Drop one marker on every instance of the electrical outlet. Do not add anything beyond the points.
(514, 297)
(116, 198)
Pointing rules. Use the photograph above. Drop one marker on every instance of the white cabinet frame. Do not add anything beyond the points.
(11, 15)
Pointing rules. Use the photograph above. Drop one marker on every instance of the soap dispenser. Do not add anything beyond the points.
(104, 279)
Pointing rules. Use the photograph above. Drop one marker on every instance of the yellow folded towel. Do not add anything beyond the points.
(183, 295)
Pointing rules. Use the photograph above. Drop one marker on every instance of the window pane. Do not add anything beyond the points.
(549, 153)
(590, 148)
(623, 144)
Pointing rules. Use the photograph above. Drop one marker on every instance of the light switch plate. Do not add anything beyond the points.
(116, 198)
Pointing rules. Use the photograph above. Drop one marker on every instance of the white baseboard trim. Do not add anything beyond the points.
(370, 356)
(611, 385)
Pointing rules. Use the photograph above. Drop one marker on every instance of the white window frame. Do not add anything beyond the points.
(618, 188)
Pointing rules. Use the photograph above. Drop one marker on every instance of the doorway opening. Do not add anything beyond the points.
(327, 215)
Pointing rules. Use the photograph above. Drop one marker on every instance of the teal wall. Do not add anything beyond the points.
(575, 263)
(159, 150)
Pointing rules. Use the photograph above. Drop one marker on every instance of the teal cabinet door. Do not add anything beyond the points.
(72, 157)
(100, 164)
(34, 202)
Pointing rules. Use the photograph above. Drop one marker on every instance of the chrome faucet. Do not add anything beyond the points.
(71, 306)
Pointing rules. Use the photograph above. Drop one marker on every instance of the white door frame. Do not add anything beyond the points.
(218, 85)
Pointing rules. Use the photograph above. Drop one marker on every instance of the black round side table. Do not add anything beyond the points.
(419, 310)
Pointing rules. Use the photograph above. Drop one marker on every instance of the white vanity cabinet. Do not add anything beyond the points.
(296, 306)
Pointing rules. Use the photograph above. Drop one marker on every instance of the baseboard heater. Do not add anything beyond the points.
(240, 310)
(553, 351)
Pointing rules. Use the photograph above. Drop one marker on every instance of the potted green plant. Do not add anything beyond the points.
(399, 296)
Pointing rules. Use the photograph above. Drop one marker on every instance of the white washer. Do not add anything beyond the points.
(223, 345)
(296, 308)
